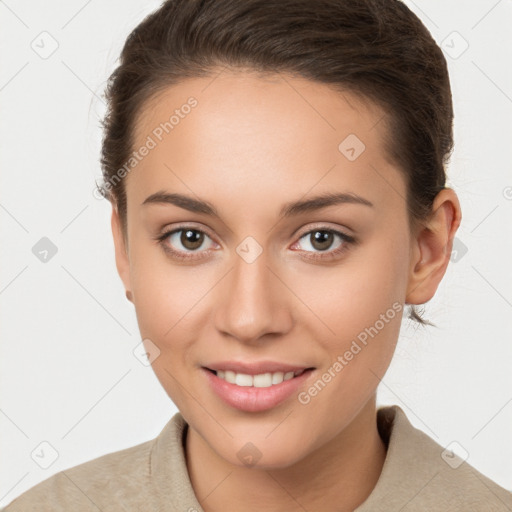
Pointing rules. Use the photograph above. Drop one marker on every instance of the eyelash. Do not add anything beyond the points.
(321, 255)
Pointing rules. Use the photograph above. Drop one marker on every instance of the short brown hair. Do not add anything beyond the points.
(378, 49)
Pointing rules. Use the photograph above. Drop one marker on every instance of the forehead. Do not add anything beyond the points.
(235, 134)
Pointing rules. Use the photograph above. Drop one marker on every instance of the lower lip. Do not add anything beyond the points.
(252, 399)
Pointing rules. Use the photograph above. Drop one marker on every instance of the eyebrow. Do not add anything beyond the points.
(288, 210)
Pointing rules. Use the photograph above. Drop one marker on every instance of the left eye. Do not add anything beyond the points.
(323, 239)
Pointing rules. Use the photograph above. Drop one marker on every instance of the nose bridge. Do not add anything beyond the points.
(251, 304)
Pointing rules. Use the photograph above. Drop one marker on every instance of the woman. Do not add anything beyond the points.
(277, 177)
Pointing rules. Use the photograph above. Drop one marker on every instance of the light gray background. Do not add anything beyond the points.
(68, 373)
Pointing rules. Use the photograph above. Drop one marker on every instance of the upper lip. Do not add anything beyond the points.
(256, 367)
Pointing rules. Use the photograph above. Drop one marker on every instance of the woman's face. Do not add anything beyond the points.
(265, 285)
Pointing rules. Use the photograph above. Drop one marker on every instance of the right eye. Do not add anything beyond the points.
(189, 238)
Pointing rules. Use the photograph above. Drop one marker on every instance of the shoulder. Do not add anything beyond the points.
(87, 486)
(421, 475)
(115, 481)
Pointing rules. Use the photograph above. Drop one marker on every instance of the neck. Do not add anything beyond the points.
(339, 475)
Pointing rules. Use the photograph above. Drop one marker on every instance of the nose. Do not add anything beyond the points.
(252, 302)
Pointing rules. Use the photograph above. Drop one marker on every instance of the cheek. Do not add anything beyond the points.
(360, 307)
(168, 304)
(165, 294)
(352, 296)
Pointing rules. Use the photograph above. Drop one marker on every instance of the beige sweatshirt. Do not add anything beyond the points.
(418, 475)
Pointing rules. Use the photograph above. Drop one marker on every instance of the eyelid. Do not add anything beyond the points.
(322, 226)
(168, 230)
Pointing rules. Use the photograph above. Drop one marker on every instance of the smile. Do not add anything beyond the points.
(261, 380)
(258, 390)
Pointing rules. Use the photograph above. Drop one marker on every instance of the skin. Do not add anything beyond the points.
(251, 145)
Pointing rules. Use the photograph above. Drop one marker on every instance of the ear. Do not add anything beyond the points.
(432, 247)
(121, 252)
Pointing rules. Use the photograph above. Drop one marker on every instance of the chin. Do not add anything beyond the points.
(262, 453)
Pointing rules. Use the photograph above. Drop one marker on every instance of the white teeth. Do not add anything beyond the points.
(277, 377)
(262, 380)
(242, 379)
(229, 376)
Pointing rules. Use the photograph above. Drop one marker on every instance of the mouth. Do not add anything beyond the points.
(260, 380)
(250, 388)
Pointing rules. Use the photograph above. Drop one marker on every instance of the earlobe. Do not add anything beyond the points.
(432, 247)
(121, 253)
